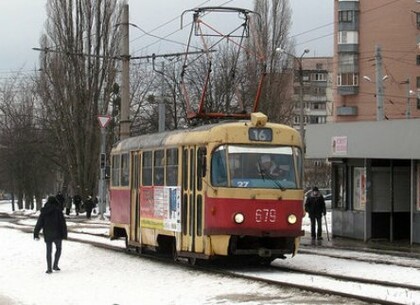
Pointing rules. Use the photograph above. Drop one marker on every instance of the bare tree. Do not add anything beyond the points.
(318, 173)
(77, 81)
(152, 85)
(25, 154)
(269, 34)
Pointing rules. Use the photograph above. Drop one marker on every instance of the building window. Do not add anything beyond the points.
(348, 79)
(418, 20)
(318, 120)
(348, 62)
(318, 106)
(418, 82)
(318, 77)
(418, 60)
(296, 120)
(345, 16)
(342, 37)
(319, 91)
(348, 37)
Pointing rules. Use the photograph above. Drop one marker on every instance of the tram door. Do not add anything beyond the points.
(135, 233)
(192, 202)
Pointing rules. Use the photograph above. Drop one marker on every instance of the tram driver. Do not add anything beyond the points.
(268, 167)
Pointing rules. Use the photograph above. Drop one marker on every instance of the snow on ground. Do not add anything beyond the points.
(96, 276)
(91, 275)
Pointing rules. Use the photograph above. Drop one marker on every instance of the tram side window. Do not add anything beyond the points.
(201, 167)
(185, 169)
(115, 178)
(125, 170)
(218, 167)
(159, 166)
(147, 168)
(172, 167)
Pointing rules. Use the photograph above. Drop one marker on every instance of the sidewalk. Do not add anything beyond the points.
(374, 246)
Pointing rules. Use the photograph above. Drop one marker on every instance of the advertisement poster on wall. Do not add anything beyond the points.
(418, 187)
(339, 146)
(359, 194)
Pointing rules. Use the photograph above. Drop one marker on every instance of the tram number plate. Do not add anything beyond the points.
(265, 215)
(260, 134)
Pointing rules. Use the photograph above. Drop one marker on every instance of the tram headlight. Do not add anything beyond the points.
(239, 218)
(291, 219)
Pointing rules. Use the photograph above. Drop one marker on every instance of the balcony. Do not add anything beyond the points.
(346, 111)
(347, 90)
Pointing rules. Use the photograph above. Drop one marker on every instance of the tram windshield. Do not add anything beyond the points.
(247, 166)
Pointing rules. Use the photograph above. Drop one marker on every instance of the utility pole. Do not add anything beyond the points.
(379, 85)
(125, 77)
(301, 104)
(103, 122)
(162, 108)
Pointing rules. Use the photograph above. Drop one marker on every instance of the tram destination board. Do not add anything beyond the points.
(260, 134)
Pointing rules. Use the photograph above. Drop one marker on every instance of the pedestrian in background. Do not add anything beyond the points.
(77, 200)
(315, 207)
(61, 200)
(68, 204)
(54, 228)
(88, 206)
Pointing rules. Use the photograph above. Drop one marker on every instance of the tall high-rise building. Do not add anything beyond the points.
(376, 60)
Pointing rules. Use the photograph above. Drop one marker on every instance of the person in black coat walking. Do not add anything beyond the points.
(315, 206)
(61, 200)
(88, 206)
(77, 200)
(53, 224)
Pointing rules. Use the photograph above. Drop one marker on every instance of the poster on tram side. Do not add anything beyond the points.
(172, 222)
(160, 208)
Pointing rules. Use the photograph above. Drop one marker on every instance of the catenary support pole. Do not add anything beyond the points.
(102, 184)
(379, 85)
(125, 77)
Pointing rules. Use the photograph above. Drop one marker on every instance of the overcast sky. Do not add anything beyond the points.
(22, 23)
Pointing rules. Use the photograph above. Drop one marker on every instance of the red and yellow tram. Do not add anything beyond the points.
(210, 192)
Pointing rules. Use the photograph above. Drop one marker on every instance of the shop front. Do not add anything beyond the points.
(375, 177)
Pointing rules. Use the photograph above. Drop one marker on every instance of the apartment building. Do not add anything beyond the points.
(377, 59)
(317, 91)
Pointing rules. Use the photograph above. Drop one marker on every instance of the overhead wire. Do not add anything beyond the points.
(172, 33)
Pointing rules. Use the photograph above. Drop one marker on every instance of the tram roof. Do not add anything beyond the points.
(387, 139)
(198, 135)
(160, 139)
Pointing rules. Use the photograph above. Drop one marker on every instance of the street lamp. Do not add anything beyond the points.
(379, 94)
(301, 108)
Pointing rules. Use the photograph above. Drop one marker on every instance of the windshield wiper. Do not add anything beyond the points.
(264, 173)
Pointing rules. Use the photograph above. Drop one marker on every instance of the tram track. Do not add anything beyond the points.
(290, 277)
(332, 280)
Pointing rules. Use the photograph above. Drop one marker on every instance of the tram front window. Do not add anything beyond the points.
(248, 166)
